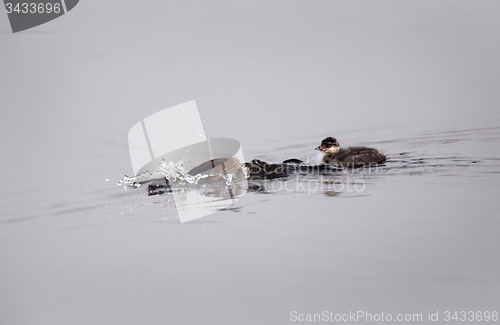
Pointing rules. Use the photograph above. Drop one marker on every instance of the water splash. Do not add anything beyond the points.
(175, 174)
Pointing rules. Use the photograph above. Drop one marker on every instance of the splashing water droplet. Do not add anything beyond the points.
(107, 179)
(201, 135)
(174, 173)
(203, 121)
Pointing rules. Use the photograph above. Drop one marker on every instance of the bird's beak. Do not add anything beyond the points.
(320, 148)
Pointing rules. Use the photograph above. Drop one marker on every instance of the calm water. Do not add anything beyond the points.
(418, 234)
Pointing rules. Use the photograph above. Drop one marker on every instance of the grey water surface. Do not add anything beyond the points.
(418, 80)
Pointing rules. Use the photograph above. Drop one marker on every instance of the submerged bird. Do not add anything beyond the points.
(353, 157)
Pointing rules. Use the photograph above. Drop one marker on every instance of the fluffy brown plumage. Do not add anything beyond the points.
(353, 157)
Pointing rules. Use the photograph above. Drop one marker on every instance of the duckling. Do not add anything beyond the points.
(353, 157)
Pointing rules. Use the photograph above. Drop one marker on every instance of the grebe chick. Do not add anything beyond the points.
(353, 157)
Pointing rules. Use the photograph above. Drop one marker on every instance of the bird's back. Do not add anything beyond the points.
(356, 157)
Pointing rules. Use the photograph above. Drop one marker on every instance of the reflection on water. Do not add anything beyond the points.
(310, 185)
(193, 202)
(203, 190)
